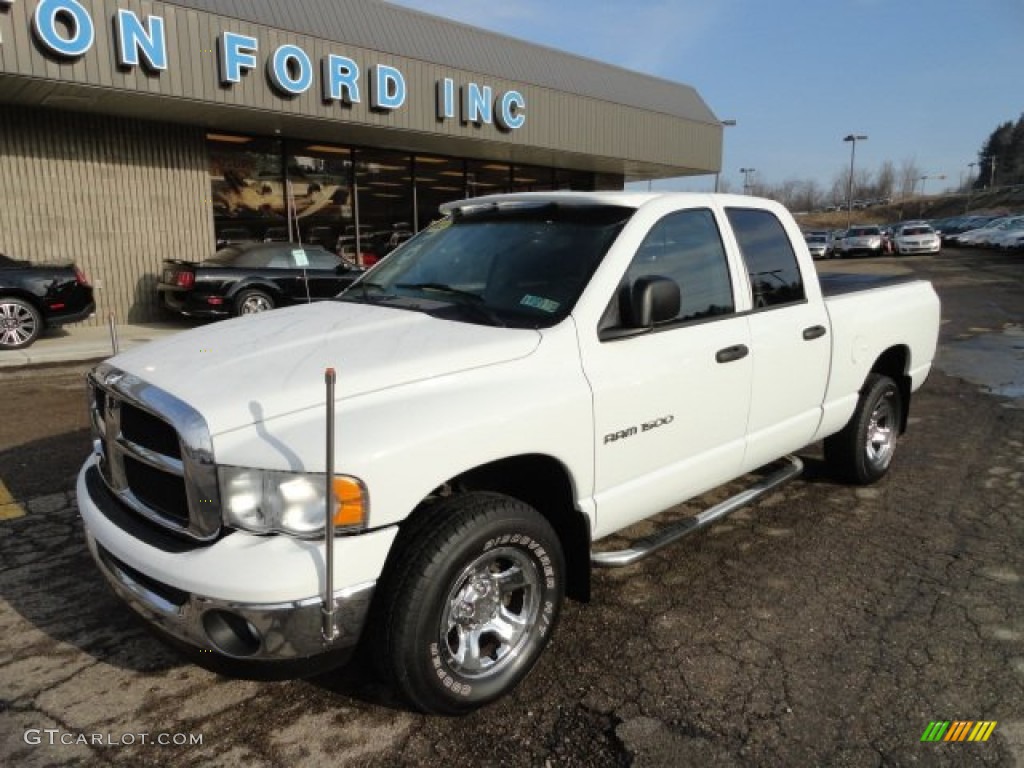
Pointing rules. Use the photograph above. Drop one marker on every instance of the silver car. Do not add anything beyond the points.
(864, 239)
(818, 243)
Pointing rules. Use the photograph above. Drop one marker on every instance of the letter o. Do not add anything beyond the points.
(44, 24)
(278, 70)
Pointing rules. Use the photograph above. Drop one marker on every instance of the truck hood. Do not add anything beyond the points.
(252, 369)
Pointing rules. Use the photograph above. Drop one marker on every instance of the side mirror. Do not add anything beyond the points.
(653, 300)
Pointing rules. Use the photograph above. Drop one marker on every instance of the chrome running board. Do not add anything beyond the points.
(662, 538)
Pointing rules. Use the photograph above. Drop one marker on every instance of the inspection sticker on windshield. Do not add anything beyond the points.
(544, 305)
(300, 257)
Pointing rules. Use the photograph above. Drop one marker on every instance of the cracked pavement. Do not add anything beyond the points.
(825, 625)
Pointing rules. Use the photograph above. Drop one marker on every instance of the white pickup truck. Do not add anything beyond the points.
(525, 377)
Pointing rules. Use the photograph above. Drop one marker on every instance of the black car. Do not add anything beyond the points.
(253, 277)
(34, 296)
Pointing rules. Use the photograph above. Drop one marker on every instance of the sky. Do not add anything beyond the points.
(927, 81)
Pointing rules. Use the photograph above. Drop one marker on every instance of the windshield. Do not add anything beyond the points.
(510, 265)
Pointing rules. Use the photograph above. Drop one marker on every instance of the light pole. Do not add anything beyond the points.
(924, 180)
(853, 138)
(970, 185)
(724, 124)
(746, 179)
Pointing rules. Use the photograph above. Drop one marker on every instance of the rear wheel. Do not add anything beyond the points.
(252, 302)
(20, 323)
(470, 603)
(862, 451)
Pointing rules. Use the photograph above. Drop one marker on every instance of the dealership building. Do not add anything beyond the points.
(133, 132)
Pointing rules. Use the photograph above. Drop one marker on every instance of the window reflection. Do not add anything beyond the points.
(383, 193)
(247, 187)
(358, 203)
(484, 178)
(527, 178)
(439, 180)
(319, 194)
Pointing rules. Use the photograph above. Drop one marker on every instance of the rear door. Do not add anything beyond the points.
(789, 335)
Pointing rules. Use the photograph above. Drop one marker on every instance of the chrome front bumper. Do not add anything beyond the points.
(275, 632)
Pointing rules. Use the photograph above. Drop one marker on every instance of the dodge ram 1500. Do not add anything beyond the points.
(523, 378)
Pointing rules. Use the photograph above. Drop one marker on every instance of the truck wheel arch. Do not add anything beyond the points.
(542, 482)
(894, 363)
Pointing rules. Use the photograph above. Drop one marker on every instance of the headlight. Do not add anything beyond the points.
(267, 501)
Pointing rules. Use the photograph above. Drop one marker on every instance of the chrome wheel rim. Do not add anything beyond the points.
(881, 433)
(17, 324)
(490, 613)
(254, 304)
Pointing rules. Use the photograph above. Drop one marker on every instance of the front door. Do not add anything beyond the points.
(670, 404)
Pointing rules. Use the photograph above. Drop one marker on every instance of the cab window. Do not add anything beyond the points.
(771, 261)
(686, 248)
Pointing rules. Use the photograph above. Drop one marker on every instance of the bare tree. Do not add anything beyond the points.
(885, 181)
(909, 173)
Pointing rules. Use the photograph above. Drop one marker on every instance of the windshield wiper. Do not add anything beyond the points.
(441, 287)
(475, 305)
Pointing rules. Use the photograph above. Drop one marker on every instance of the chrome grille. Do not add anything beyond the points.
(155, 453)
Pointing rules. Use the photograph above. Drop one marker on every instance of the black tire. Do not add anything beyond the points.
(20, 323)
(468, 603)
(862, 451)
(252, 302)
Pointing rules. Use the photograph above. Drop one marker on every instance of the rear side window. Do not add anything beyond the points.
(774, 273)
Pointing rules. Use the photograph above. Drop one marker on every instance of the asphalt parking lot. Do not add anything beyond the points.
(826, 625)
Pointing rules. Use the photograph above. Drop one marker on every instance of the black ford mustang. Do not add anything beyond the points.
(33, 296)
(253, 277)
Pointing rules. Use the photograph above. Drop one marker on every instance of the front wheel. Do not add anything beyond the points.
(862, 451)
(470, 602)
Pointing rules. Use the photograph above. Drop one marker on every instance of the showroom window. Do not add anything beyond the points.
(359, 203)
(383, 202)
(247, 187)
(438, 180)
(526, 178)
(319, 195)
(485, 178)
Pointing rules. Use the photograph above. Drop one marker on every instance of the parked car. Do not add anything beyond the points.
(322, 236)
(1014, 243)
(253, 277)
(837, 241)
(865, 239)
(917, 238)
(1002, 237)
(819, 244)
(234, 236)
(979, 235)
(34, 296)
(276, 235)
(951, 233)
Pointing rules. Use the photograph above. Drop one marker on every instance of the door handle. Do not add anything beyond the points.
(814, 332)
(732, 354)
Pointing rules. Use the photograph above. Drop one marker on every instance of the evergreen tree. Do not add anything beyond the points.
(1001, 159)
